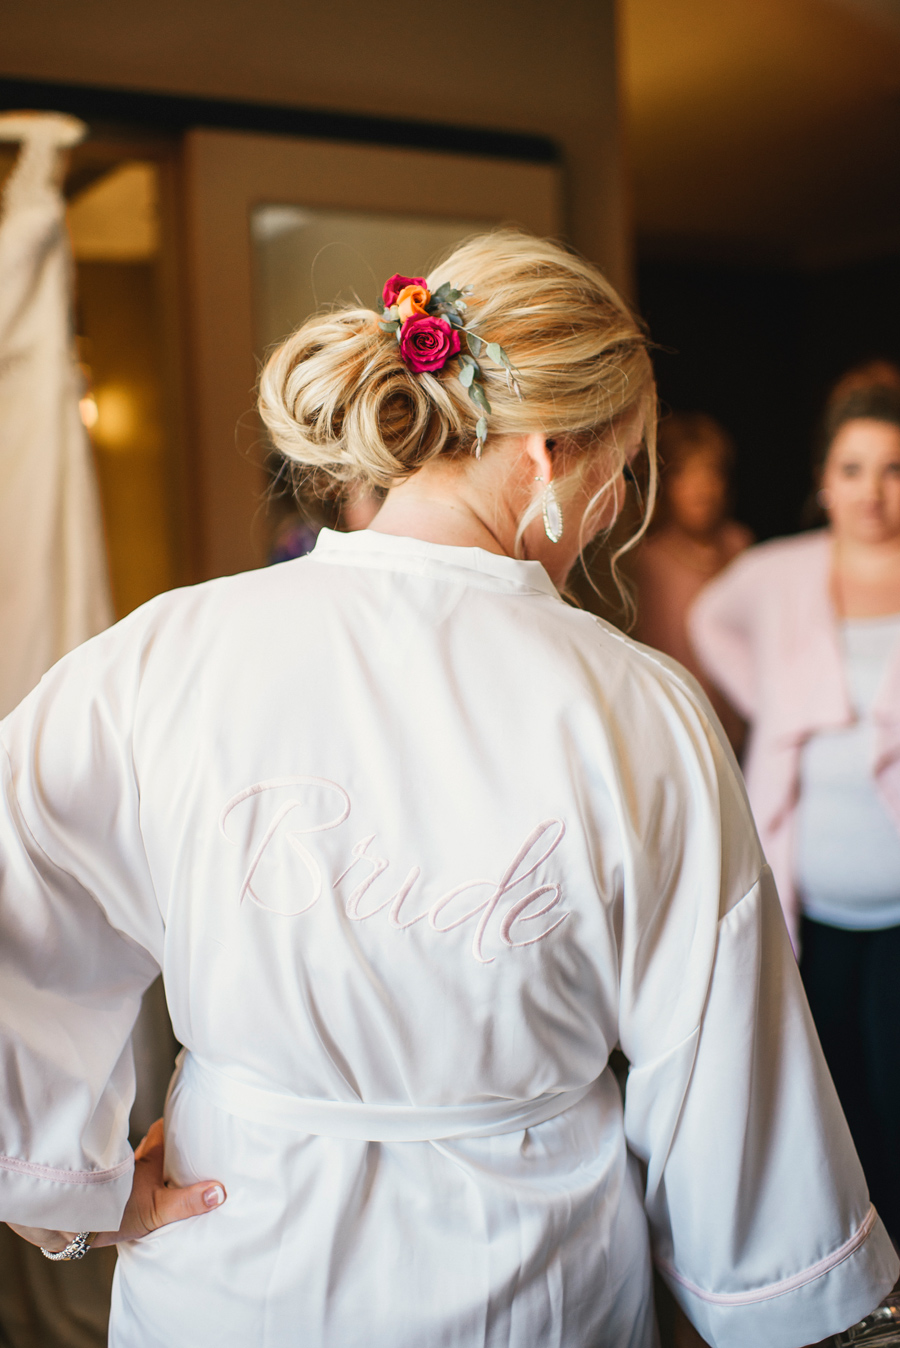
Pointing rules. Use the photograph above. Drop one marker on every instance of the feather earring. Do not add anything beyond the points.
(552, 513)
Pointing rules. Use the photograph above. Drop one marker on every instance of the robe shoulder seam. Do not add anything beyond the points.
(22, 815)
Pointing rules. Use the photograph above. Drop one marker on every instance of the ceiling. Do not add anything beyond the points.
(763, 129)
(755, 129)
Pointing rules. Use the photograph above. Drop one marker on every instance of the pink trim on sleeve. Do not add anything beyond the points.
(46, 1172)
(777, 1289)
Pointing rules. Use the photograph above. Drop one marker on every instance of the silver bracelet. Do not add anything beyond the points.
(77, 1248)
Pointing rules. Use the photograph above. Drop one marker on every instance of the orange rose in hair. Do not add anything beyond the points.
(411, 301)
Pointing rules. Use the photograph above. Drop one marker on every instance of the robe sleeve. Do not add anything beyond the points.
(758, 1210)
(80, 937)
(720, 625)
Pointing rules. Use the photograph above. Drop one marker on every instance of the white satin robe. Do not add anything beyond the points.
(407, 834)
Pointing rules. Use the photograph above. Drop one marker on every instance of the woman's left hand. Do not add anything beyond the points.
(152, 1204)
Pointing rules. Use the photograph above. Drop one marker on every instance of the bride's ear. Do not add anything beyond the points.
(540, 451)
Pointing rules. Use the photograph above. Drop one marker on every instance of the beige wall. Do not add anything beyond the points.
(511, 64)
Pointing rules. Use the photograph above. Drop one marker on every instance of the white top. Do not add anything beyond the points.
(415, 845)
(848, 847)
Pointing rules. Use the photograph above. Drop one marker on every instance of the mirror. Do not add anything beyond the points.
(307, 258)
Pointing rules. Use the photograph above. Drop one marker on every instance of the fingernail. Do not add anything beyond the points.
(214, 1195)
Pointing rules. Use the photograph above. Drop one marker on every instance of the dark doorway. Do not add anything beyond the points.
(758, 347)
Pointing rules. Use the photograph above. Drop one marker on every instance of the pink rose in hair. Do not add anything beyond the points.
(397, 283)
(426, 343)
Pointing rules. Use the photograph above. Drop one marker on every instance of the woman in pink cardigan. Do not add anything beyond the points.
(803, 635)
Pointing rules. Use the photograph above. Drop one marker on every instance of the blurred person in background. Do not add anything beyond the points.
(300, 521)
(691, 540)
(878, 373)
(803, 635)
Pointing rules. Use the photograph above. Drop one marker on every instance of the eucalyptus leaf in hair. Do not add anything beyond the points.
(479, 397)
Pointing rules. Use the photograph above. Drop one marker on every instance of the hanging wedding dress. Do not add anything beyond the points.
(54, 589)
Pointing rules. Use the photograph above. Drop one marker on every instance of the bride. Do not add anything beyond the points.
(416, 845)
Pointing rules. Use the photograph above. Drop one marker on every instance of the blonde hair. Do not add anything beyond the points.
(342, 407)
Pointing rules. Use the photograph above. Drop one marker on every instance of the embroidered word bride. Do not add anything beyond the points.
(503, 897)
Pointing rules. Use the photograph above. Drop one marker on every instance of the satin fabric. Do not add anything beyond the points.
(403, 830)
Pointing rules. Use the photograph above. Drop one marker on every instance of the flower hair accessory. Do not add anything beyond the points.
(429, 329)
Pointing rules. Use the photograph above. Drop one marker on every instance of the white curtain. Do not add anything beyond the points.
(54, 585)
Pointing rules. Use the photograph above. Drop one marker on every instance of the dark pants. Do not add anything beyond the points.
(852, 980)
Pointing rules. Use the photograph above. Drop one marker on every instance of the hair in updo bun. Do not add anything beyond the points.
(342, 407)
(338, 401)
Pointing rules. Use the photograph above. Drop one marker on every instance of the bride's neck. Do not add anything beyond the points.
(440, 507)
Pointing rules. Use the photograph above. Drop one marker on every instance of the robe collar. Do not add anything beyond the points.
(392, 552)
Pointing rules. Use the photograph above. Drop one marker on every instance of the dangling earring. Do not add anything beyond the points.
(552, 513)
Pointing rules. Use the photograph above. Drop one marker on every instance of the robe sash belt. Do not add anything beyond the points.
(370, 1123)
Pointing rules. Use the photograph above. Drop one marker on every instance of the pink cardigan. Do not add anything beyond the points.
(766, 632)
